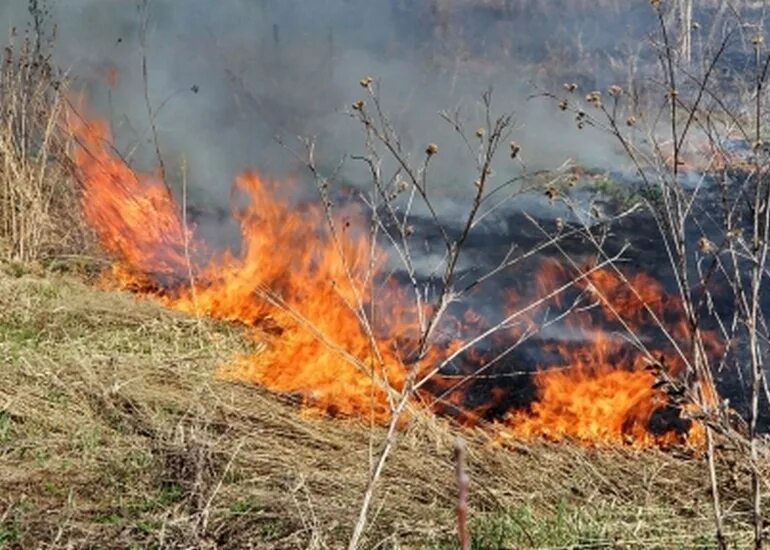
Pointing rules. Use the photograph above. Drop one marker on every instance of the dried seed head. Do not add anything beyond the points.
(631, 121)
(757, 40)
(358, 105)
(615, 90)
(403, 185)
(366, 82)
(757, 145)
(595, 98)
(572, 180)
(514, 149)
(480, 133)
(409, 229)
(570, 86)
(563, 105)
(706, 246)
(431, 149)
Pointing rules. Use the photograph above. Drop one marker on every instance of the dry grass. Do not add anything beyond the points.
(39, 214)
(115, 431)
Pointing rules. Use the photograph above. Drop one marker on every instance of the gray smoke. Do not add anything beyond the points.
(263, 68)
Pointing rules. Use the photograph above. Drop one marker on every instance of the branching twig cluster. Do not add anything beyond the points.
(711, 206)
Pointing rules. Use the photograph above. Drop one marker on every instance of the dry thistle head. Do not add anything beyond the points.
(431, 149)
(655, 3)
(706, 246)
(403, 185)
(580, 118)
(514, 149)
(366, 82)
(572, 180)
(551, 192)
(615, 90)
(631, 121)
(358, 105)
(570, 86)
(563, 104)
(757, 40)
(480, 133)
(595, 98)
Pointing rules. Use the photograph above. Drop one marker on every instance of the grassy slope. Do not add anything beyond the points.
(116, 432)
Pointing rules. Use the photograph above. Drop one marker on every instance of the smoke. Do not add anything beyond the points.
(226, 79)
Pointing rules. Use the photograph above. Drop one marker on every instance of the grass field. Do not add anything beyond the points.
(115, 431)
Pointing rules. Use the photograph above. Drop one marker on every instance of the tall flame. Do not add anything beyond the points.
(302, 290)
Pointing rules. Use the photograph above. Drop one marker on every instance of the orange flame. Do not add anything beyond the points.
(607, 393)
(302, 291)
(288, 278)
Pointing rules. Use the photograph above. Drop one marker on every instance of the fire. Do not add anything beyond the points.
(605, 389)
(289, 279)
(134, 216)
(310, 293)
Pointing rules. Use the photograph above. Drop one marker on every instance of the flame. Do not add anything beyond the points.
(310, 294)
(607, 392)
(134, 216)
(288, 279)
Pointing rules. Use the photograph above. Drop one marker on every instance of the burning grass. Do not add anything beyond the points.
(114, 426)
(114, 430)
(313, 290)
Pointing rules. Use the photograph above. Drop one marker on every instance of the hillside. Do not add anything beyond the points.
(115, 431)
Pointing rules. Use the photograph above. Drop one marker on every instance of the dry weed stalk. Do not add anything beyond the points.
(38, 212)
(463, 483)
